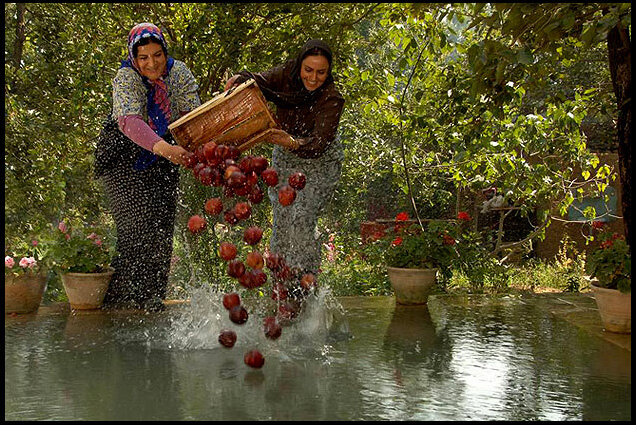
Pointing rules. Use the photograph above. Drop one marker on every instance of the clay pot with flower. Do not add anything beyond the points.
(416, 255)
(25, 276)
(82, 254)
(609, 267)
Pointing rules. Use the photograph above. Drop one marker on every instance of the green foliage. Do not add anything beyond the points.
(611, 264)
(465, 96)
(80, 248)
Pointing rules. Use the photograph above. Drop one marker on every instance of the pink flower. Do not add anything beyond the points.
(397, 241)
(68, 236)
(92, 236)
(402, 216)
(62, 227)
(9, 261)
(463, 215)
(27, 262)
(98, 242)
(34, 242)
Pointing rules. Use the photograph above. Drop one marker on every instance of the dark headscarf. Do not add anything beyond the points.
(295, 93)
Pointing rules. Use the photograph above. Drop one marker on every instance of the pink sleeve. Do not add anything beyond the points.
(137, 130)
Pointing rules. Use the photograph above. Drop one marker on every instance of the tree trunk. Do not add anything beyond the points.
(619, 53)
(19, 35)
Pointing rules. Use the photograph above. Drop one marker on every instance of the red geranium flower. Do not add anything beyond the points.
(402, 216)
(463, 215)
(397, 241)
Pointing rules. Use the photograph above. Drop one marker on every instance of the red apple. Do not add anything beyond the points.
(231, 299)
(271, 327)
(254, 359)
(238, 314)
(242, 190)
(199, 153)
(308, 281)
(208, 151)
(206, 176)
(229, 170)
(270, 177)
(287, 311)
(286, 195)
(233, 152)
(245, 164)
(255, 195)
(259, 164)
(279, 292)
(198, 167)
(190, 159)
(242, 210)
(235, 268)
(252, 235)
(214, 206)
(297, 181)
(255, 260)
(252, 179)
(230, 218)
(221, 152)
(227, 251)
(257, 277)
(227, 338)
(274, 261)
(196, 223)
(283, 273)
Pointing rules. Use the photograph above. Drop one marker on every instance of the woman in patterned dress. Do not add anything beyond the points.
(138, 162)
(308, 109)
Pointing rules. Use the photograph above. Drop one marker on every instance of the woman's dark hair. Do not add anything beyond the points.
(146, 40)
(317, 51)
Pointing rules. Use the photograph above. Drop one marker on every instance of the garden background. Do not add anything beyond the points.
(445, 103)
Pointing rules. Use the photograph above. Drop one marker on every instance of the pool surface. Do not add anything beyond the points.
(354, 358)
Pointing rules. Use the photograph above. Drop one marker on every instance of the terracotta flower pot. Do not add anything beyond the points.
(412, 286)
(615, 309)
(23, 293)
(86, 291)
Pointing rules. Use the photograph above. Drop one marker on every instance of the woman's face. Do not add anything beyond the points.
(313, 71)
(151, 60)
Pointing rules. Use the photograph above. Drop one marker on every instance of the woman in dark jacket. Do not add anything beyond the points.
(138, 163)
(308, 110)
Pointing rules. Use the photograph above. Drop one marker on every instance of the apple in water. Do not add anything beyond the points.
(286, 195)
(238, 314)
(279, 292)
(231, 299)
(254, 359)
(227, 338)
(270, 177)
(271, 327)
(196, 223)
(252, 235)
(227, 251)
(297, 180)
(214, 206)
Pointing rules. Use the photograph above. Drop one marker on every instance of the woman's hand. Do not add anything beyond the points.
(230, 82)
(172, 153)
(282, 138)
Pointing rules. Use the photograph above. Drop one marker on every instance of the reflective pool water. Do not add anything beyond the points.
(358, 358)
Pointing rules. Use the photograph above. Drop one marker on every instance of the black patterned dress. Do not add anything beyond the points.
(142, 201)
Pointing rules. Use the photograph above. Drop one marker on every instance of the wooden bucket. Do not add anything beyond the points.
(239, 117)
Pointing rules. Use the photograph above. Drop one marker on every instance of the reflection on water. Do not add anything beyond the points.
(360, 359)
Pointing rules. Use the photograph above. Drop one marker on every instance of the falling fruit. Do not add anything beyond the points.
(196, 224)
(255, 260)
(270, 177)
(271, 328)
(286, 195)
(254, 359)
(238, 314)
(252, 235)
(231, 299)
(214, 206)
(235, 268)
(297, 180)
(308, 281)
(227, 251)
(227, 338)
